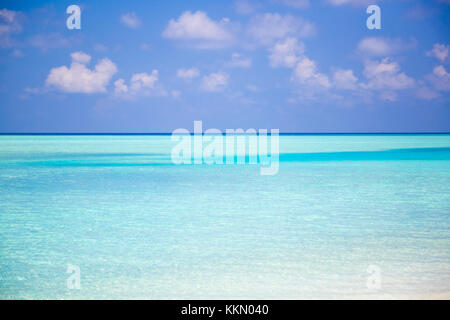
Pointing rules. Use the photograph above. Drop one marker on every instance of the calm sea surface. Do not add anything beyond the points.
(138, 226)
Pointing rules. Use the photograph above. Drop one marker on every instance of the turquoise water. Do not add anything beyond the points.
(139, 226)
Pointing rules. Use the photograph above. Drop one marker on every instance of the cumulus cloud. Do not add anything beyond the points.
(199, 30)
(440, 78)
(386, 75)
(81, 57)
(130, 20)
(9, 25)
(78, 78)
(306, 73)
(143, 80)
(286, 53)
(289, 53)
(140, 83)
(383, 77)
(120, 87)
(344, 79)
(270, 27)
(188, 73)
(379, 46)
(439, 51)
(238, 61)
(214, 82)
(7, 16)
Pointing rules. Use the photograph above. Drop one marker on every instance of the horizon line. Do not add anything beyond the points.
(191, 133)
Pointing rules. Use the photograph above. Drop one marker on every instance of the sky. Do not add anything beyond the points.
(294, 65)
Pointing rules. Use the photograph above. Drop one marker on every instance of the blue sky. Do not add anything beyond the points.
(295, 65)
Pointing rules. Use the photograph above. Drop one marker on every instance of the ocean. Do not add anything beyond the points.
(346, 216)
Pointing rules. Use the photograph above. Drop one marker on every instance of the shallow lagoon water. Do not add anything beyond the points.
(139, 226)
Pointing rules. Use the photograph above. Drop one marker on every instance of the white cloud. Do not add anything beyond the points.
(120, 87)
(305, 69)
(344, 79)
(143, 80)
(80, 57)
(440, 71)
(386, 75)
(215, 82)
(289, 53)
(238, 61)
(130, 20)
(298, 4)
(439, 51)
(269, 27)
(78, 78)
(188, 73)
(440, 78)
(140, 83)
(8, 16)
(9, 24)
(286, 53)
(379, 46)
(199, 30)
(306, 73)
